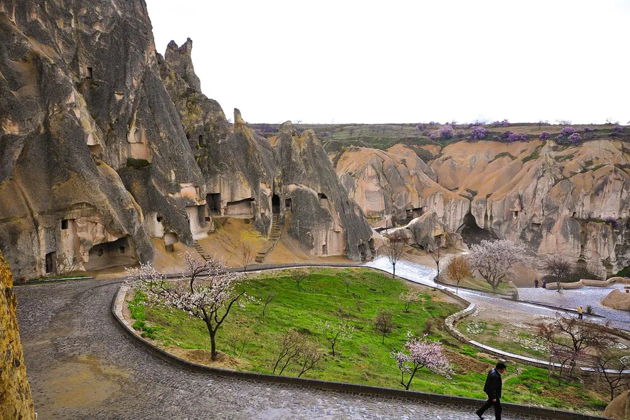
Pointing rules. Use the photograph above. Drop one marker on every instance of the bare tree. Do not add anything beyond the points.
(299, 276)
(494, 259)
(611, 368)
(266, 301)
(394, 249)
(296, 348)
(288, 350)
(209, 293)
(247, 255)
(558, 267)
(347, 282)
(436, 255)
(239, 339)
(308, 357)
(570, 339)
(409, 297)
(457, 270)
(383, 323)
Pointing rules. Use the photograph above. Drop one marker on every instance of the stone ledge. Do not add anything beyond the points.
(468, 403)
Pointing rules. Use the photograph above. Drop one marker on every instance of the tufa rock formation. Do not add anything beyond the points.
(15, 392)
(619, 408)
(91, 146)
(286, 180)
(572, 200)
(105, 145)
(617, 299)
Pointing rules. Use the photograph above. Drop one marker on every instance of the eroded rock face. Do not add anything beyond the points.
(395, 186)
(87, 133)
(15, 398)
(572, 200)
(250, 176)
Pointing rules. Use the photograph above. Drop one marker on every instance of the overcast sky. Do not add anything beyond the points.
(407, 61)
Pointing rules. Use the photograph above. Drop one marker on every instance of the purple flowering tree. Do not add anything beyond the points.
(567, 131)
(419, 353)
(446, 132)
(575, 138)
(207, 293)
(544, 136)
(478, 133)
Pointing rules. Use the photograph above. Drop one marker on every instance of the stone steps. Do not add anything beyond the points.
(277, 223)
(201, 251)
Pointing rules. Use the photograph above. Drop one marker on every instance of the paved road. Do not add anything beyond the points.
(81, 365)
(422, 274)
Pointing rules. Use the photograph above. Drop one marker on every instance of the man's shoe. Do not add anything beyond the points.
(480, 416)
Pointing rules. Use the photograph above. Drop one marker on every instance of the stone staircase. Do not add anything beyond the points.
(204, 254)
(277, 224)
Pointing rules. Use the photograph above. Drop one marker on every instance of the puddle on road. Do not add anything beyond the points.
(81, 382)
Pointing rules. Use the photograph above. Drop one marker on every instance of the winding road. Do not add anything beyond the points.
(81, 364)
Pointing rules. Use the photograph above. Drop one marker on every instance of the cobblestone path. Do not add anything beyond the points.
(81, 365)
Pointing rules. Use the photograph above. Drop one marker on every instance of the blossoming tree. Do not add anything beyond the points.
(208, 292)
(494, 259)
(421, 353)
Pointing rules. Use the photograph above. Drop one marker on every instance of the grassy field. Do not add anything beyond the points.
(250, 342)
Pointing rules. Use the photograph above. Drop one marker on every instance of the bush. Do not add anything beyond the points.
(478, 133)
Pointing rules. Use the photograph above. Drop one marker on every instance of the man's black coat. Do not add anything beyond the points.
(493, 384)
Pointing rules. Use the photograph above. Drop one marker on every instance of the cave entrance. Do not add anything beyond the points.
(241, 209)
(275, 204)
(111, 254)
(213, 200)
(288, 205)
(325, 249)
(51, 259)
(472, 233)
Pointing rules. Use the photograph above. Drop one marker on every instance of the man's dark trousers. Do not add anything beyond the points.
(488, 404)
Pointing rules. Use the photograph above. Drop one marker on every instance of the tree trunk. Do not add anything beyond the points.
(393, 270)
(213, 343)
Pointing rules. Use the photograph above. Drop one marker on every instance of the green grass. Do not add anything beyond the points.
(252, 341)
(502, 154)
(482, 285)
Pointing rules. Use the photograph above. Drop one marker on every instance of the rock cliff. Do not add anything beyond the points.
(105, 144)
(288, 176)
(15, 397)
(90, 142)
(567, 199)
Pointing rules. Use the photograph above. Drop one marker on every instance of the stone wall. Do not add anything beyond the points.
(15, 392)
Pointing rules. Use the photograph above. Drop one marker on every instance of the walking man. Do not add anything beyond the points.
(493, 389)
(580, 312)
